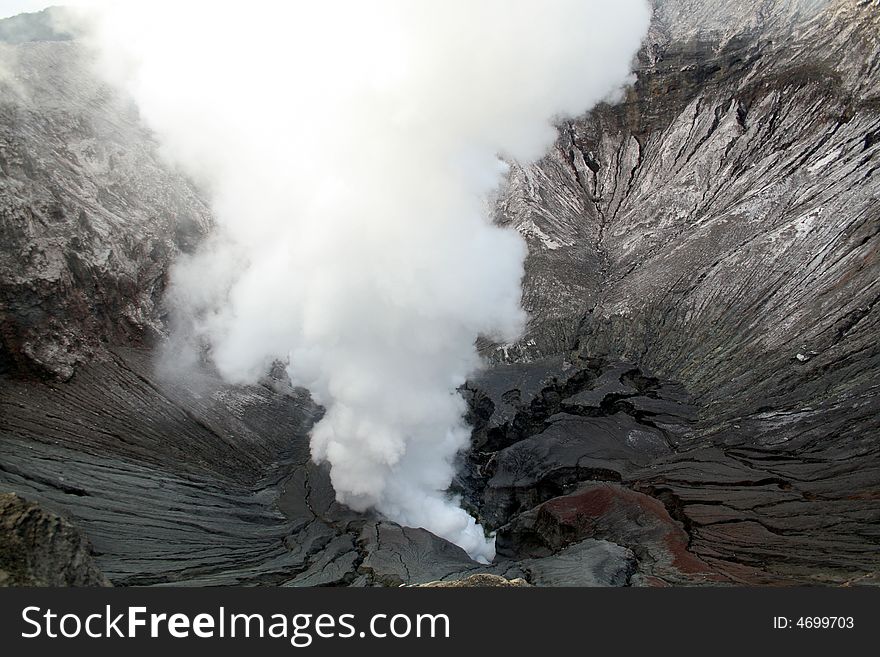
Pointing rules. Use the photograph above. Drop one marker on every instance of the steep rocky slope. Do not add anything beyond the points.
(38, 548)
(728, 209)
(90, 215)
(696, 401)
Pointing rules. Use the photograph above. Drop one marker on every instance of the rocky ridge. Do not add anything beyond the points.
(696, 401)
(90, 213)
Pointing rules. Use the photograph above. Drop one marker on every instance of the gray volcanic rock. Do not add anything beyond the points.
(90, 215)
(588, 563)
(196, 482)
(726, 217)
(599, 420)
(171, 481)
(40, 548)
(743, 147)
(569, 450)
(695, 402)
(394, 551)
(51, 24)
(613, 513)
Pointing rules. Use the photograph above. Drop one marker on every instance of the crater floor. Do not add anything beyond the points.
(696, 401)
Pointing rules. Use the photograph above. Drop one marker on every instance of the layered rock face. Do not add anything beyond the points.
(91, 216)
(719, 229)
(696, 401)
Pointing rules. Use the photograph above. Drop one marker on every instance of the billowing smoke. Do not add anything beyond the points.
(350, 150)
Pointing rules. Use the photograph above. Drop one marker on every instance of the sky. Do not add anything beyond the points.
(13, 7)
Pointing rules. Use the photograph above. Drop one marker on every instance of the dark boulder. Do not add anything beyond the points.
(41, 548)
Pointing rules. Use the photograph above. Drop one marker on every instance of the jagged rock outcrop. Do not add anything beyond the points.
(696, 401)
(719, 229)
(41, 548)
(91, 216)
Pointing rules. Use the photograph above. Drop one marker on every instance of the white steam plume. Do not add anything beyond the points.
(350, 149)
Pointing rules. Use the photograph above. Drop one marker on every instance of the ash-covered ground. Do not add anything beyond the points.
(695, 401)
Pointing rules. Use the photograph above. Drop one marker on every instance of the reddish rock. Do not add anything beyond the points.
(613, 513)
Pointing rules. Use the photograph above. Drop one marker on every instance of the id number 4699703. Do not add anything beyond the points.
(814, 623)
